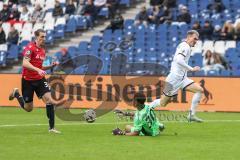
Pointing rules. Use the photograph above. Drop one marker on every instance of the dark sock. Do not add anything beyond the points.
(20, 99)
(50, 115)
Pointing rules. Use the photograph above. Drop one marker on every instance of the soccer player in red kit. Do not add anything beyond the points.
(33, 79)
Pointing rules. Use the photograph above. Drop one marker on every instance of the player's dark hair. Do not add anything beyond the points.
(37, 32)
(140, 97)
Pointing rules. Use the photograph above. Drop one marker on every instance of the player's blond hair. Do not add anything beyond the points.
(192, 32)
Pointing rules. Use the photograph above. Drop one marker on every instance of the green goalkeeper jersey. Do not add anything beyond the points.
(146, 122)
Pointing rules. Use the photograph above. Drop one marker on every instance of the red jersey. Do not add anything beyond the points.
(36, 56)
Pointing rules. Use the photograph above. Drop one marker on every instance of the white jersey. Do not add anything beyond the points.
(184, 50)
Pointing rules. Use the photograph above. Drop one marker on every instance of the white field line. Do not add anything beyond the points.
(110, 123)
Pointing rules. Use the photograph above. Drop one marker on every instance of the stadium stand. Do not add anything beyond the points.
(39, 14)
(153, 42)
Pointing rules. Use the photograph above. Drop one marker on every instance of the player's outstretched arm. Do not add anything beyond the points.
(180, 61)
(196, 68)
(135, 133)
(154, 104)
(28, 65)
(51, 66)
(47, 67)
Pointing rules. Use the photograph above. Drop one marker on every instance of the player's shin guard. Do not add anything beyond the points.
(195, 101)
(50, 115)
(20, 99)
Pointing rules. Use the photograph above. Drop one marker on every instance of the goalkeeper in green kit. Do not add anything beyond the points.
(145, 121)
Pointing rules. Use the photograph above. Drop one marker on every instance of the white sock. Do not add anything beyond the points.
(155, 103)
(195, 101)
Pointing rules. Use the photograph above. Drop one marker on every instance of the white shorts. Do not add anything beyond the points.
(174, 83)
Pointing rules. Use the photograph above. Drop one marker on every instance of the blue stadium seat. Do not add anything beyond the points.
(197, 59)
(13, 52)
(173, 28)
(107, 33)
(125, 2)
(231, 52)
(104, 12)
(235, 3)
(80, 70)
(238, 44)
(184, 2)
(236, 73)
(151, 28)
(106, 59)
(96, 39)
(162, 28)
(190, 74)
(192, 7)
(235, 66)
(199, 73)
(164, 63)
(107, 38)
(151, 58)
(57, 56)
(49, 37)
(118, 40)
(118, 33)
(128, 22)
(59, 31)
(82, 22)
(203, 6)
(105, 68)
(83, 47)
(71, 25)
(95, 47)
(225, 73)
(139, 45)
(140, 29)
(3, 57)
(23, 45)
(73, 51)
(212, 73)
(105, 55)
(226, 3)
(139, 55)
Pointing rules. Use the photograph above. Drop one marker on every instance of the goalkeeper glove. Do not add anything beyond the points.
(118, 131)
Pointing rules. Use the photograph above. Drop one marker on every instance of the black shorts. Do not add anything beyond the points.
(40, 87)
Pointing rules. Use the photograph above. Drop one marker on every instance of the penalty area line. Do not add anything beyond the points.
(110, 123)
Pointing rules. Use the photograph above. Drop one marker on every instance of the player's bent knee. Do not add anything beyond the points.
(51, 101)
(201, 90)
(48, 100)
(28, 107)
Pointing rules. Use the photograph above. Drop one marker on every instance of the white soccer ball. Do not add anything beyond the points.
(90, 115)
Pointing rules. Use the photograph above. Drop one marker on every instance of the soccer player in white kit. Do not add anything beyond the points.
(177, 79)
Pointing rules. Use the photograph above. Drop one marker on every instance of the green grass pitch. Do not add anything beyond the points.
(24, 136)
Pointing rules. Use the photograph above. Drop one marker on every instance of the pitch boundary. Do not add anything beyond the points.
(110, 123)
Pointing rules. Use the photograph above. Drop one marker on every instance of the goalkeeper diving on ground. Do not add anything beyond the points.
(145, 120)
